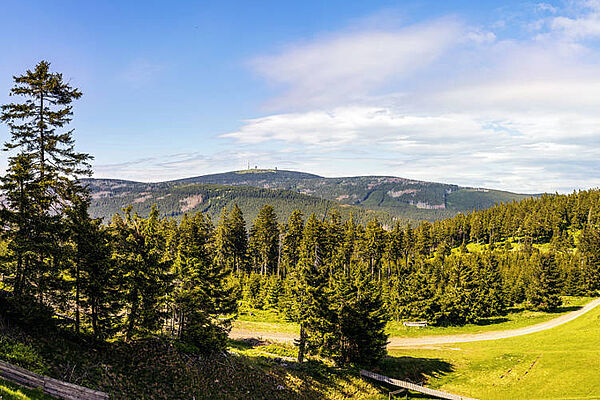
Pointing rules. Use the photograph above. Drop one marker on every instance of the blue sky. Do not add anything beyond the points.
(462, 92)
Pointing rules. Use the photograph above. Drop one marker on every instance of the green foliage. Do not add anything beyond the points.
(139, 247)
(264, 241)
(543, 291)
(204, 304)
(10, 391)
(360, 319)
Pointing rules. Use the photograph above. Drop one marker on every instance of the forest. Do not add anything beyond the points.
(186, 280)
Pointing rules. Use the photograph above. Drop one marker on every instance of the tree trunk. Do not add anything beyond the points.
(131, 319)
(18, 287)
(77, 300)
(94, 316)
(301, 344)
(42, 138)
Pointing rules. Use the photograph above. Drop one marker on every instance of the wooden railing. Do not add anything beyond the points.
(53, 387)
(412, 386)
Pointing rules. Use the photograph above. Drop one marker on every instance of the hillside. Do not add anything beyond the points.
(173, 200)
(286, 190)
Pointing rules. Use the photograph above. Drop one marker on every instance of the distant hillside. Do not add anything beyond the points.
(110, 196)
(390, 196)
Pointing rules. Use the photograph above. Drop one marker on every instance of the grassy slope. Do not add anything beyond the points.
(558, 363)
(157, 369)
(10, 391)
(269, 321)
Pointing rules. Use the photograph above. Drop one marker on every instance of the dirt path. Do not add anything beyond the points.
(400, 342)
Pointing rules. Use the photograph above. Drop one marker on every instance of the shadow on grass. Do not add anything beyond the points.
(318, 376)
(414, 369)
(564, 309)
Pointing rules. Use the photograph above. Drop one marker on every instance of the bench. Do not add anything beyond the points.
(418, 324)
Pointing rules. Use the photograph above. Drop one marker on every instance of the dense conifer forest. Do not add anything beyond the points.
(186, 279)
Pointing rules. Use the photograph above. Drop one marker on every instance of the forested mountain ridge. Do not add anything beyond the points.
(399, 197)
(174, 200)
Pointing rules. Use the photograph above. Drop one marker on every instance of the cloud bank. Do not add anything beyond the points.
(445, 100)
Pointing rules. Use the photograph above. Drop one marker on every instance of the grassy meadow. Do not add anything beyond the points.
(266, 321)
(559, 363)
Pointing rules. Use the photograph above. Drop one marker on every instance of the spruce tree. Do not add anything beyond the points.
(373, 246)
(307, 300)
(39, 136)
(238, 237)
(264, 240)
(21, 218)
(37, 126)
(95, 278)
(544, 288)
(360, 320)
(139, 250)
(205, 302)
(290, 246)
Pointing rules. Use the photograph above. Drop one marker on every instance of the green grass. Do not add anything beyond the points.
(318, 379)
(10, 391)
(269, 321)
(264, 321)
(516, 318)
(559, 363)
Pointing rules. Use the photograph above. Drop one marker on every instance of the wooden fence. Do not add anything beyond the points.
(412, 386)
(53, 387)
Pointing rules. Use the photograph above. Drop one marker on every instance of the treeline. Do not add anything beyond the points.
(527, 253)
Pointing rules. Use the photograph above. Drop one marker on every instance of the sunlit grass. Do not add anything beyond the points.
(10, 391)
(261, 321)
(558, 363)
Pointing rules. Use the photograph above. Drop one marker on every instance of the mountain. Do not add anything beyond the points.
(386, 197)
(110, 196)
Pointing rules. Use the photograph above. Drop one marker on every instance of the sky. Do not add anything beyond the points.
(503, 95)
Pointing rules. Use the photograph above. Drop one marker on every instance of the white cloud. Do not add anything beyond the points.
(517, 114)
(352, 65)
(546, 7)
(440, 101)
(462, 148)
(583, 23)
